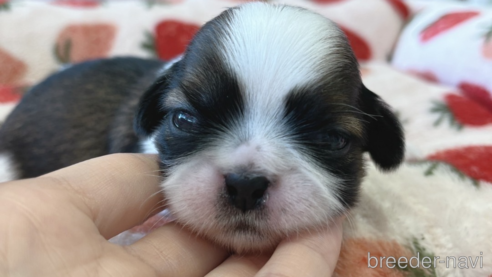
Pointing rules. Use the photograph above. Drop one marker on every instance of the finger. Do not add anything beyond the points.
(240, 266)
(117, 191)
(174, 251)
(310, 254)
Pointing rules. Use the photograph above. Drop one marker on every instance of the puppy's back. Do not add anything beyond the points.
(71, 116)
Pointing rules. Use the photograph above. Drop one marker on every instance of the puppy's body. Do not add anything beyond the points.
(260, 127)
(80, 113)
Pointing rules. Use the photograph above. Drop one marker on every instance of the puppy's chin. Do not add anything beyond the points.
(244, 233)
(295, 202)
(241, 235)
(250, 233)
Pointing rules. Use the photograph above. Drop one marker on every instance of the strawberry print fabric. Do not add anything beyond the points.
(67, 31)
(452, 45)
(474, 161)
(441, 122)
(448, 126)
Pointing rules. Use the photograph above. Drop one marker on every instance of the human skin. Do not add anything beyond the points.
(59, 225)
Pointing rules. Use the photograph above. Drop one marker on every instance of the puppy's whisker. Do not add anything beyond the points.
(161, 191)
(155, 210)
(153, 195)
(373, 116)
(349, 219)
(161, 205)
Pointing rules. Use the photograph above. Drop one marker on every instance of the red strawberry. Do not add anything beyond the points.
(401, 8)
(172, 37)
(9, 94)
(11, 69)
(468, 112)
(478, 94)
(445, 23)
(82, 42)
(474, 161)
(487, 44)
(78, 3)
(361, 48)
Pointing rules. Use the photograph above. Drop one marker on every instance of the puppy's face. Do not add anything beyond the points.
(262, 125)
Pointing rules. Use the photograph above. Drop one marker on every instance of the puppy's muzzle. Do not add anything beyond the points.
(245, 192)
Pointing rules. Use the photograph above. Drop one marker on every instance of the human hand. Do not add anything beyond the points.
(59, 224)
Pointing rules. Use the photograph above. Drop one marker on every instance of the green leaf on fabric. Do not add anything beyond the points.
(434, 165)
(443, 112)
(63, 55)
(420, 271)
(5, 6)
(149, 44)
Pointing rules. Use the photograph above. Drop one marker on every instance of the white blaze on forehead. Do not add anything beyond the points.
(273, 48)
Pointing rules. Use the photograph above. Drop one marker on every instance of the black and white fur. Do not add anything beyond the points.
(264, 92)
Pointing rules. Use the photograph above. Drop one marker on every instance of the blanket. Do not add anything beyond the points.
(431, 217)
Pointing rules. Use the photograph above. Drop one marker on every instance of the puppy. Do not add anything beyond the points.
(260, 127)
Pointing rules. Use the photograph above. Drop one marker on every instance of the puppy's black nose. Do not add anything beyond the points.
(244, 192)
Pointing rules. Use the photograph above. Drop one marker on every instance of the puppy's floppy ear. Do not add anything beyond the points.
(384, 135)
(150, 111)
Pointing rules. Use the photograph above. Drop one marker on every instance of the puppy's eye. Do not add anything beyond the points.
(332, 141)
(184, 121)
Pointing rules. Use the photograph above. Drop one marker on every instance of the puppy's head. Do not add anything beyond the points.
(262, 125)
